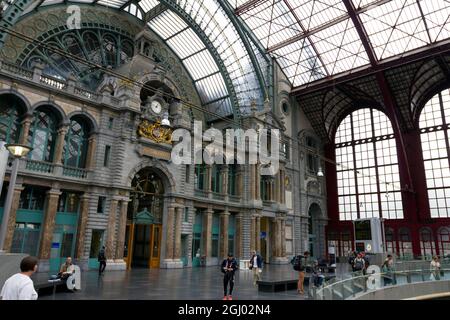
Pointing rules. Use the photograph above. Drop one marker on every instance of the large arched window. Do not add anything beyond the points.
(10, 112)
(426, 243)
(367, 173)
(444, 242)
(43, 135)
(434, 125)
(75, 148)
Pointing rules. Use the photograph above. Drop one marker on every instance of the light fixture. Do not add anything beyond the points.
(18, 150)
(165, 122)
(320, 172)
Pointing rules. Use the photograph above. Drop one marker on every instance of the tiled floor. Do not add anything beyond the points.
(177, 284)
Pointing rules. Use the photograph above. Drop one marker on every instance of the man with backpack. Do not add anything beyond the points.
(359, 264)
(300, 264)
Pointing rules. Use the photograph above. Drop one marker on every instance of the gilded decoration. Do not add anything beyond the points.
(155, 132)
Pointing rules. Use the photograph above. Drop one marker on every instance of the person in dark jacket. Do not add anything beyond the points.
(256, 263)
(228, 268)
(102, 260)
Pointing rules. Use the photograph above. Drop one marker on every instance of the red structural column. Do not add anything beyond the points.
(331, 185)
(407, 161)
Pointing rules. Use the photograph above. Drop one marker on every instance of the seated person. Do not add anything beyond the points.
(67, 269)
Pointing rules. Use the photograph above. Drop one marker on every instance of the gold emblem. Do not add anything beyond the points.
(155, 131)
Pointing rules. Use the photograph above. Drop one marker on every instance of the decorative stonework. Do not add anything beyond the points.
(155, 132)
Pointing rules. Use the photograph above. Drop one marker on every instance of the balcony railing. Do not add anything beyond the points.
(201, 193)
(17, 70)
(39, 166)
(53, 82)
(234, 198)
(75, 172)
(55, 170)
(218, 196)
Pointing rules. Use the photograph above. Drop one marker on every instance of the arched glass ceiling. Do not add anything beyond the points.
(313, 39)
(213, 83)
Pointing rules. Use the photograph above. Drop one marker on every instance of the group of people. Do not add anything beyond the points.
(20, 286)
(229, 267)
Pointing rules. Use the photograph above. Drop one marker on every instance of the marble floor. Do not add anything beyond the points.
(175, 284)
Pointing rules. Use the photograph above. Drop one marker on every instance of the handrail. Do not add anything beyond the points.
(359, 284)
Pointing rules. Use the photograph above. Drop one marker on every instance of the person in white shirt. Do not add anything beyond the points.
(435, 268)
(20, 286)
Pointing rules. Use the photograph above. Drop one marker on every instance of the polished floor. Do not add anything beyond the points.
(177, 284)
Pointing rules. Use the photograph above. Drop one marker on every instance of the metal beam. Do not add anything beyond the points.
(393, 62)
(249, 5)
(323, 26)
(361, 32)
(309, 39)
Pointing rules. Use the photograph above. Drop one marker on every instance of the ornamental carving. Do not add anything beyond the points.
(155, 132)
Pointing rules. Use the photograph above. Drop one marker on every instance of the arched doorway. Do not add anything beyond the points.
(314, 214)
(145, 216)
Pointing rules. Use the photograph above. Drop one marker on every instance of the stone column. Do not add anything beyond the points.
(278, 237)
(283, 237)
(239, 184)
(273, 237)
(49, 223)
(258, 181)
(170, 232)
(90, 158)
(238, 232)
(257, 232)
(82, 222)
(121, 230)
(207, 233)
(59, 146)
(25, 132)
(111, 229)
(277, 192)
(208, 178)
(282, 187)
(252, 182)
(178, 224)
(252, 233)
(224, 179)
(224, 222)
(12, 218)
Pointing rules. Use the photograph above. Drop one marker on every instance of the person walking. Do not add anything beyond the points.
(20, 286)
(228, 268)
(256, 263)
(102, 260)
(388, 270)
(435, 268)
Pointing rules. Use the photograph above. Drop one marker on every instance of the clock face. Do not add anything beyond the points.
(156, 106)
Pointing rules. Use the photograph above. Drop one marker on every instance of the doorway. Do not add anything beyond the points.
(145, 246)
(142, 247)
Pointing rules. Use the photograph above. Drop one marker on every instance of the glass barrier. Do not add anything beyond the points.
(356, 283)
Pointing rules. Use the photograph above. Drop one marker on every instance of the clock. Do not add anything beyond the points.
(156, 106)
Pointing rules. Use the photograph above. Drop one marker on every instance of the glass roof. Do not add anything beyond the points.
(194, 53)
(310, 39)
(313, 39)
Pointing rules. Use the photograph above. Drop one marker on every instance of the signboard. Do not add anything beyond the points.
(154, 153)
(55, 245)
(263, 235)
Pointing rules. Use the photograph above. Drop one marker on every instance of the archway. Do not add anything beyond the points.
(314, 236)
(145, 216)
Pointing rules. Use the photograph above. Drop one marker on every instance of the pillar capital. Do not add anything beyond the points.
(54, 192)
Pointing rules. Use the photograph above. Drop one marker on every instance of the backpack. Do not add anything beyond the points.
(359, 264)
(297, 263)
